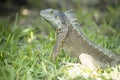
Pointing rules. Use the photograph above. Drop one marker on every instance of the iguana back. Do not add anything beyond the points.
(76, 42)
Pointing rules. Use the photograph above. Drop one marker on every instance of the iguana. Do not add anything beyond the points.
(70, 37)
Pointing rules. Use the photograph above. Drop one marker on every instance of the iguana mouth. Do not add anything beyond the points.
(45, 19)
(42, 18)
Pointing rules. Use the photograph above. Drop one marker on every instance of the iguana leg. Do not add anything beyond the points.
(59, 41)
(88, 61)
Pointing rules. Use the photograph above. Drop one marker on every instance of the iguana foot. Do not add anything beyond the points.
(88, 61)
(68, 64)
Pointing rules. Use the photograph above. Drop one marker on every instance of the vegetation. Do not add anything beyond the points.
(25, 50)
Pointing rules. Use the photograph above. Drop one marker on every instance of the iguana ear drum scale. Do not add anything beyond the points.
(74, 42)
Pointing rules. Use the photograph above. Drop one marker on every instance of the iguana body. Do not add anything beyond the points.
(72, 40)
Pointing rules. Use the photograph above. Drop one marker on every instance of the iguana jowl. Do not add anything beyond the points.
(73, 41)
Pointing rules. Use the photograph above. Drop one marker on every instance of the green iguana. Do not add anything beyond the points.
(74, 42)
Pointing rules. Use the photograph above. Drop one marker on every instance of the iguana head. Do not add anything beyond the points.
(54, 17)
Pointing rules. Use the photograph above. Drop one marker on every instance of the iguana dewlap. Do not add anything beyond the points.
(73, 41)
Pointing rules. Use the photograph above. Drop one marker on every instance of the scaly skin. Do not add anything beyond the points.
(73, 41)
